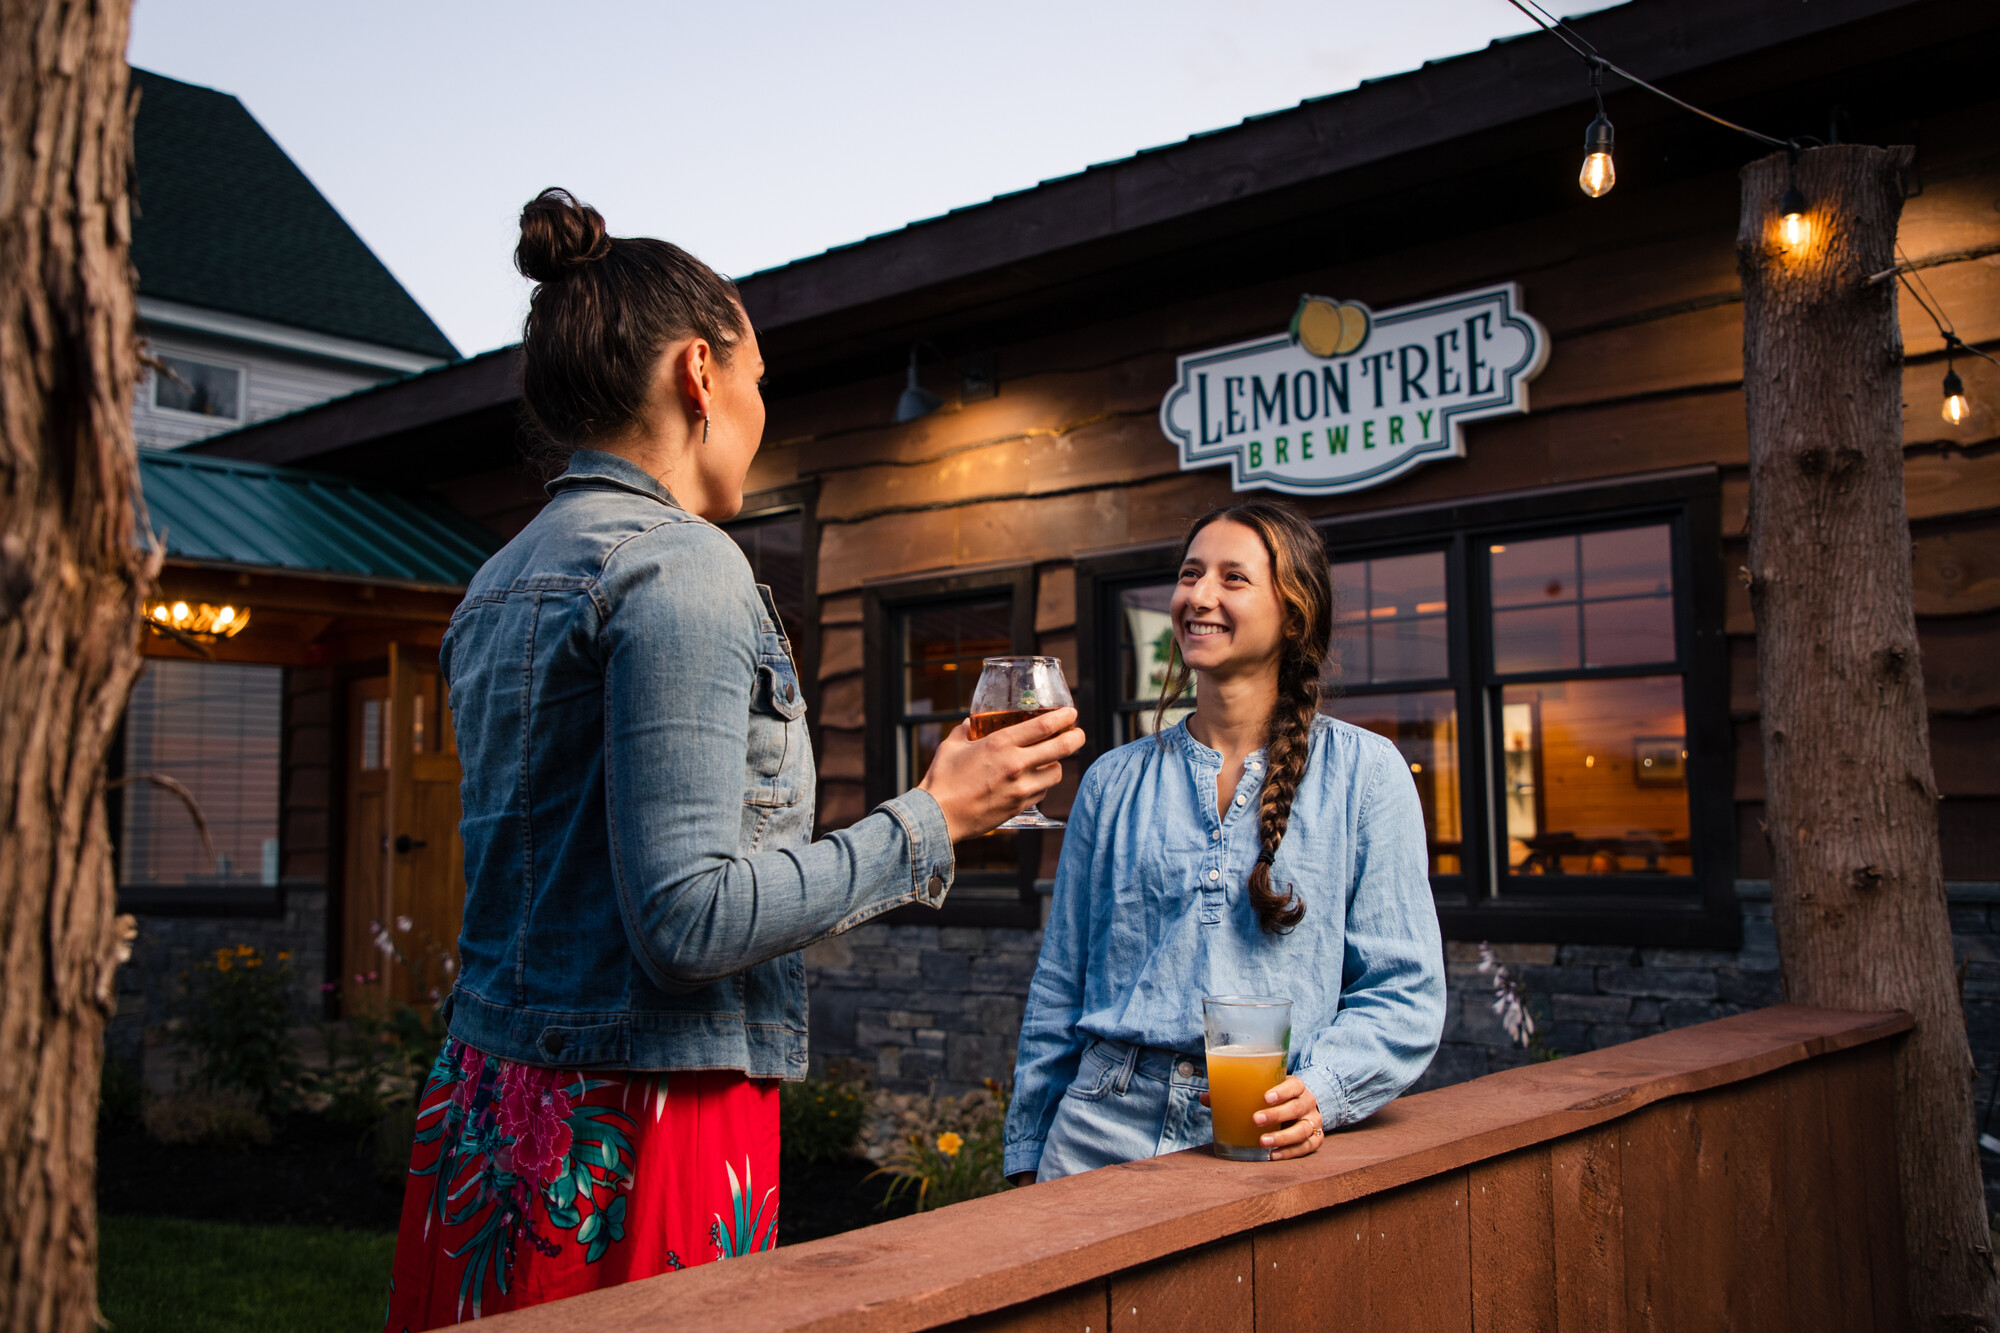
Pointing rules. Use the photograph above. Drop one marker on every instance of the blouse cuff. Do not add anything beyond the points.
(1325, 1086)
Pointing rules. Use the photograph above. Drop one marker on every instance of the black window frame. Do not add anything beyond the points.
(776, 502)
(1635, 911)
(257, 902)
(881, 607)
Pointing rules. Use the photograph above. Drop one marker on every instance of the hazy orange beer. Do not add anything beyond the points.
(1247, 1040)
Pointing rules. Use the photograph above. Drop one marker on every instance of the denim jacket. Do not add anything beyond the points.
(638, 798)
(1151, 913)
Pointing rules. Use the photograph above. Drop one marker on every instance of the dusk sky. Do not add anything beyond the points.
(752, 133)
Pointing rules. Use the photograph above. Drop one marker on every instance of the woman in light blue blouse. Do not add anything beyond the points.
(1256, 848)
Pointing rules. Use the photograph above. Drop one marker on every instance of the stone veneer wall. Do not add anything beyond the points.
(909, 1005)
(150, 988)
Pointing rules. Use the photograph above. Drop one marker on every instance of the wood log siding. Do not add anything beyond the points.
(1739, 1174)
(1645, 311)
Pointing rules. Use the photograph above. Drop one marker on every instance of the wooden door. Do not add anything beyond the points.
(405, 876)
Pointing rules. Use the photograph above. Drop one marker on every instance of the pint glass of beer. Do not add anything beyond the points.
(1247, 1038)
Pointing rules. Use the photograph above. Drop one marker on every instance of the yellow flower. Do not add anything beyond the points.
(222, 964)
(949, 1144)
(253, 961)
(284, 955)
(245, 950)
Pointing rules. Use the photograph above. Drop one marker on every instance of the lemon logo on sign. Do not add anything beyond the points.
(1350, 397)
(1328, 328)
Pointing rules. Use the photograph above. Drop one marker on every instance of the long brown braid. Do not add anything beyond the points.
(1305, 589)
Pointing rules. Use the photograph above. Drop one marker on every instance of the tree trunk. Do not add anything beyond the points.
(72, 576)
(1850, 800)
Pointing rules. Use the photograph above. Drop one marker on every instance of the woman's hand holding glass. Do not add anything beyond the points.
(1293, 1120)
(981, 784)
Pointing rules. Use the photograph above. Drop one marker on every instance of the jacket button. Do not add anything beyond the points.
(791, 691)
(552, 1042)
(1185, 1069)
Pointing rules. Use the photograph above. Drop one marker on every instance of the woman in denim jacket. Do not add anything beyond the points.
(638, 813)
(1258, 848)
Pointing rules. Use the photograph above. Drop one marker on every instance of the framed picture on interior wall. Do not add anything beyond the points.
(1659, 761)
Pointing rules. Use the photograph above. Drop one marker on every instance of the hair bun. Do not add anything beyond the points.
(559, 233)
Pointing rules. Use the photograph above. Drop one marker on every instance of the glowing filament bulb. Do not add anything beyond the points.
(1598, 174)
(1792, 211)
(225, 615)
(180, 612)
(160, 612)
(1955, 406)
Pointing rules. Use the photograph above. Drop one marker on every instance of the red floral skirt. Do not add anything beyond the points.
(527, 1185)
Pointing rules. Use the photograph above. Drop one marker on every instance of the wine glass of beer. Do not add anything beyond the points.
(1247, 1039)
(1011, 690)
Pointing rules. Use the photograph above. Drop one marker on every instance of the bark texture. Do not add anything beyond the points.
(1851, 802)
(72, 575)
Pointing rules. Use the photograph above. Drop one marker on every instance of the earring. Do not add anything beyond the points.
(704, 430)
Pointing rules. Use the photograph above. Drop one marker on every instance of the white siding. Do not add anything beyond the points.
(275, 382)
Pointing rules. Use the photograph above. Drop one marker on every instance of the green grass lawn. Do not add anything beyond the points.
(161, 1273)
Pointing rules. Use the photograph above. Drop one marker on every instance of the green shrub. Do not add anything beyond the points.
(819, 1120)
(377, 1061)
(239, 1026)
(959, 1153)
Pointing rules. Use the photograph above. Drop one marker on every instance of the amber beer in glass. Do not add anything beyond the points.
(1012, 690)
(1247, 1039)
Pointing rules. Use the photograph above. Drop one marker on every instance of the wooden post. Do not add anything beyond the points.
(72, 575)
(1851, 803)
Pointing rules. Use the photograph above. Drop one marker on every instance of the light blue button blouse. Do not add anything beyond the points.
(1151, 913)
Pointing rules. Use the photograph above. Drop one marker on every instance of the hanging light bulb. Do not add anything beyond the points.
(1955, 406)
(1598, 174)
(1793, 211)
(1792, 206)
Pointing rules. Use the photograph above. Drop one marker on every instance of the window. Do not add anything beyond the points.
(1550, 669)
(199, 387)
(213, 730)
(780, 540)
(925, 643)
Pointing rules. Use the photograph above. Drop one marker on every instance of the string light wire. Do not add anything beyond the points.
(1934, 308)
(1904, 271)
(1563, 33)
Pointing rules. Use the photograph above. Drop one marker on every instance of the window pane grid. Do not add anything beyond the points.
(213, 727)
(941, 648)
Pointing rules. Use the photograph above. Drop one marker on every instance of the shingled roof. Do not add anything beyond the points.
(226, 221)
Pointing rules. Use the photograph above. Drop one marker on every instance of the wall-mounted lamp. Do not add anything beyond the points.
(199, 620)
(917, 401)
(976, 382)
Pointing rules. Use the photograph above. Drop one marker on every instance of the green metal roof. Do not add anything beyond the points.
(223, 511)
(226, 221)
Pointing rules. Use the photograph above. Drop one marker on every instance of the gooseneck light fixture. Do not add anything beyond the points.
(917, 401)
(1599, 174)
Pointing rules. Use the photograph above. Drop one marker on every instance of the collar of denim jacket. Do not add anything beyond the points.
(594, 467)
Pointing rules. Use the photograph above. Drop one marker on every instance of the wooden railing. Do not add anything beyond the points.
(1736, 1175)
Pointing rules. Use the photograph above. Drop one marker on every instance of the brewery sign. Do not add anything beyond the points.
(1348, 397)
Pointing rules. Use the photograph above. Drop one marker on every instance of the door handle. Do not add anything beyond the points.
(405, 843)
